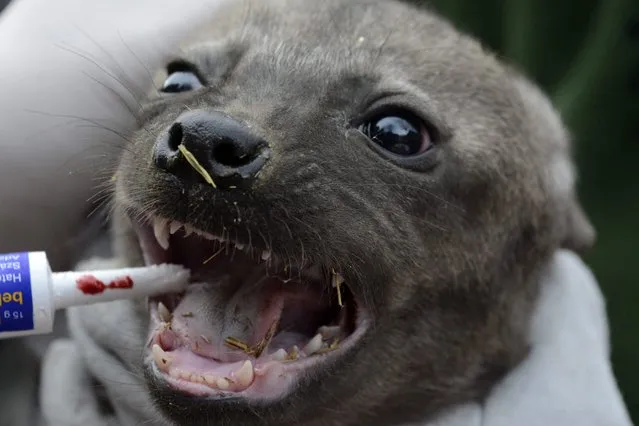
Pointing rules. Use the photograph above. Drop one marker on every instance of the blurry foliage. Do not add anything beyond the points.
(585, 54)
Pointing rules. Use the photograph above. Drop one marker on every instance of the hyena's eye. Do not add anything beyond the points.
(181, 79)
(399, 132)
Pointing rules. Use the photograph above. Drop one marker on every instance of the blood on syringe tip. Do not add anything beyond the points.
(79, 288)
(152, 279)
(89, 284)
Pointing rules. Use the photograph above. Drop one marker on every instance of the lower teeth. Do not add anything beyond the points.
(279, 355)
(243, 377)
(314, 345)
(162, 359)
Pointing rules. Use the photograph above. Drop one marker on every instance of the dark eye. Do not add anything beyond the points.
(181, 81)
(401, 133)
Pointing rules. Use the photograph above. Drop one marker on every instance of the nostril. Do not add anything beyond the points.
(231, 154)
(176, 135)
(215, 145)
(166, 151)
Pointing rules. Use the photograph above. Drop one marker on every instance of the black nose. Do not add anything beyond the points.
(223, 147)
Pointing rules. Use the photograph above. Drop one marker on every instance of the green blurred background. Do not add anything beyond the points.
(585, 54)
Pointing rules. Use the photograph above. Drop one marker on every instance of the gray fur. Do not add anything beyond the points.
(447, 259)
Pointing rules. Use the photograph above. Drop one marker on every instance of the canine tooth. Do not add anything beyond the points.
(164, 313)
(223, 384)
(314, 345)
(161, 231)
(161, 358)
(328, 332)
(175, 226)
(188, 230)
(210, 380)
(245, 374)
(266, 255)
(280, 355)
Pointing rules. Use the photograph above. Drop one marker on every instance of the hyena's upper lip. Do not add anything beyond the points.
(249, 324)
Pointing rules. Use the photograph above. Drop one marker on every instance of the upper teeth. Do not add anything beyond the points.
(164, 313)
(175, 226)
(163, 229)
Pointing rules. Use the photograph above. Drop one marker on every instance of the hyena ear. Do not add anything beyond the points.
(579, 234)
(576, 231)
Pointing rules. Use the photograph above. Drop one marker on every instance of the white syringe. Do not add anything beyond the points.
(30, 293)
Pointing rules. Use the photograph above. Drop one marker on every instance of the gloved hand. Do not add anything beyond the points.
(566, 380)
(68, 68)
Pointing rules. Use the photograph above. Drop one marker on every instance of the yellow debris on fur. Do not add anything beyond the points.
(338, 280)
(196, 165)
(214, 256)
(263, 344)
(256, 350)
(237, 344)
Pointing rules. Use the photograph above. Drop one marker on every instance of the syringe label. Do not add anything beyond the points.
(16, 300)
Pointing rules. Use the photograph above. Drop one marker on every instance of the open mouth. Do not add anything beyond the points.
(250, 323)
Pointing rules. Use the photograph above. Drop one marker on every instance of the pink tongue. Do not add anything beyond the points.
(208, 314)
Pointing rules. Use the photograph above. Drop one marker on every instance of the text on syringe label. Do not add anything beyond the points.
(16, 305)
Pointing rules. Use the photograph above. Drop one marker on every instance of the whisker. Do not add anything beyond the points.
(102, 68)
(134, 113)
(148, 71)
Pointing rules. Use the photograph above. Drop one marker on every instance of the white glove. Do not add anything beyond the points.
(567, 379)
(54, 102)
